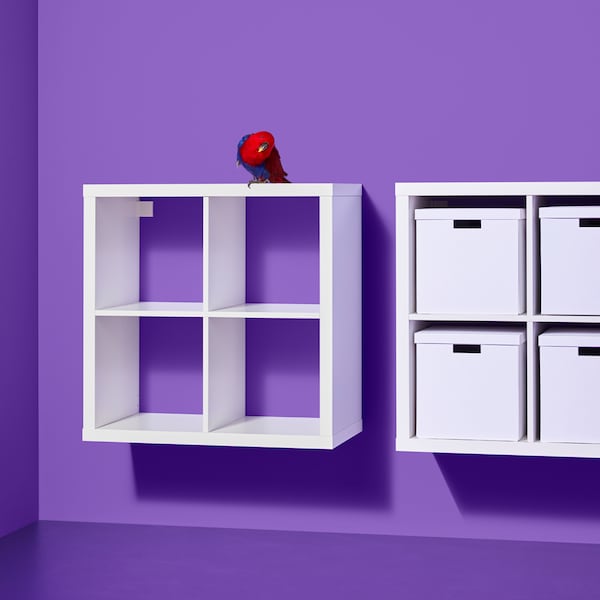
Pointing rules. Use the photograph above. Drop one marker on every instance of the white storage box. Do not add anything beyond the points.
(570, 247)
(470, 260)
(570, 385)
(470, 383)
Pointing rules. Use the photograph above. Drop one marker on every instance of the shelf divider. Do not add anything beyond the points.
(224, 251)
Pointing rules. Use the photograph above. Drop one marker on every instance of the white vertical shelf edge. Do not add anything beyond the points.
(112, 310)
(326, 321)
(89, 317)
(411, 195)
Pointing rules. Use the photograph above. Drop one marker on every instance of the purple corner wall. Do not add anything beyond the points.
(369, 92)
(18, 265)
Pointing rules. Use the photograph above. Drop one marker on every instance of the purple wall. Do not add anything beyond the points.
(139, 91)
(18, 265)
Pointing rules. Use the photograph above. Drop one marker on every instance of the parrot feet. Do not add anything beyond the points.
(258, 181)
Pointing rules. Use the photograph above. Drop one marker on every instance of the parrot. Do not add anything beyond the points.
(257, 153)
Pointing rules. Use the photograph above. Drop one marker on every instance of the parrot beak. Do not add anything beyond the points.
(237, 163)
(263, 147)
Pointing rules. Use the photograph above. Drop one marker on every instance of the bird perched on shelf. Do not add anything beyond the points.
(258, 155)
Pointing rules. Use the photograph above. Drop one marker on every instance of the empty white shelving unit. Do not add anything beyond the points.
(113, 315)
(530, 196)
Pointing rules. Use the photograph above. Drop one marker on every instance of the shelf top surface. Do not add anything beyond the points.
(499, 188)
(185, 190)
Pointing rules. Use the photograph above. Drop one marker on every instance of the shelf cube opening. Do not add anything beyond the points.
(170, 365)
(282, 367)
(470, 260)
(282, 250)
(263, 376)
(148, 375)
(171, 251)
(569, 361)
(470, 382)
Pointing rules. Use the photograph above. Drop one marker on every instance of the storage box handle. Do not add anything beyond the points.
(589, 351)
(589, 222)
(467, 348)
(467, 223)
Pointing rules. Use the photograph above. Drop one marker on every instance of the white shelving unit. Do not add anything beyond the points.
(113, 312)
(530, 196)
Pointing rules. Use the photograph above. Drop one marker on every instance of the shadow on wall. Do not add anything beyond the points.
(523, 485)
(356, 474)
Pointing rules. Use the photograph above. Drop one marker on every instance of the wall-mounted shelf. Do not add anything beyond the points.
(210, 319)
(530, 196)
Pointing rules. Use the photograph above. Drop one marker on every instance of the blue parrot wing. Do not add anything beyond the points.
(240, 144)
(258, 171)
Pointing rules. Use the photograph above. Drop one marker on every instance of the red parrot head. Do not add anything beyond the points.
(257, 148)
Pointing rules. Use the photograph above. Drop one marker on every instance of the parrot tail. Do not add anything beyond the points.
(274, 167)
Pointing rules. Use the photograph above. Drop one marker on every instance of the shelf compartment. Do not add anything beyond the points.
(171, 251)
(143, 250)
(143, 366)
(262, 251)
(282, 250)
(260, 368)
(154, 309)
(269, 311)
(170, 365)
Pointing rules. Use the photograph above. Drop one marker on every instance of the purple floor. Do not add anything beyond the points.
(64, 561)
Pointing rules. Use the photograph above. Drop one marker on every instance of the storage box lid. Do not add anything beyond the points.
(481, 214)
(493, 336)
(570, 337)
(570, 212)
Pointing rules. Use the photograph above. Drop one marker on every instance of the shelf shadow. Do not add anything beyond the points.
(523, 485)
(356, 474)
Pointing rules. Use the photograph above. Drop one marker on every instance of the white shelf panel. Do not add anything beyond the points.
(520, 448)
(274, 432)
(566, 318)
(239, 190)
(151, 428)
(112, 353)
(158, 422)
(269, 311)
(506, 318)
(467, 317)
(154, 309)
(499, 188)
(273, 425)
